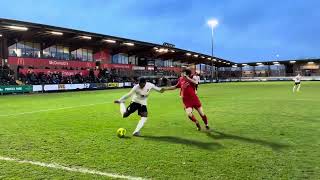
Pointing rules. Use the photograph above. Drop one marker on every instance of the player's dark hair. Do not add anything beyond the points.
(187, 71)
(142, 80)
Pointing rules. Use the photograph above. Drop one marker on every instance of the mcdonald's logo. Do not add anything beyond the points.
(20, 61)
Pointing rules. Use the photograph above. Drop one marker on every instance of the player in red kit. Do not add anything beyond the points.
(189, 97)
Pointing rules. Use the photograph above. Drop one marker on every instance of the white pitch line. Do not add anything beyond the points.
(46, 110)
(71, 169)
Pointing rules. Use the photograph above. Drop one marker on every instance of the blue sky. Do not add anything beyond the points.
(249, 30)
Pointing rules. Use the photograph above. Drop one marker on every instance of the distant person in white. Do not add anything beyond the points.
(139, 93)
(297, 83)
(196, 77)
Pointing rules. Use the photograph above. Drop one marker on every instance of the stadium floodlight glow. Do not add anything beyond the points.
(196, 55)
(188, 54)
(310, 62)
(56, 33)
(172, 51)
(155, 48)
(19, 28)
(202, 57)
(85, 37)
(163, 50)
(0, 35)
(128, 44)
(219, 61)
(244, 64)
(293, 62)
(213, 23)
(276, 62)
(214, 59)
(209, 58)
(110, 41)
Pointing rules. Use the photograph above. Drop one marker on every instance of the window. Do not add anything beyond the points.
(159, 63)
(59, 52)
(46, 53)
(20, 47)
(53, 51)
(74, 55)
(36, 50)
(115, 59)
(90, 55)
(79, 54)
(66, 53)
(13, 50)
(28, 49)
(84, 55)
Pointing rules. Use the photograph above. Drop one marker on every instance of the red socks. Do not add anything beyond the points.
(205, 119)
(192, 118)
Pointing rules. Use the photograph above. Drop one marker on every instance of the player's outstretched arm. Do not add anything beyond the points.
(169, 88)
(159, 89)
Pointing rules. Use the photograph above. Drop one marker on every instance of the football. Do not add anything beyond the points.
(121, 132)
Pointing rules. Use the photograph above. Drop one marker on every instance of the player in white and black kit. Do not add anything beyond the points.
(297, 83)
(139, 93)
(196, 77)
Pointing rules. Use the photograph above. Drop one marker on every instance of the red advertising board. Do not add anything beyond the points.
(175, 69)
(118, 66)
(36, 62)
(48, 71)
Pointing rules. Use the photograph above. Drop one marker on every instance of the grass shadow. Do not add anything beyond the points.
(220, 135)
(188, 142)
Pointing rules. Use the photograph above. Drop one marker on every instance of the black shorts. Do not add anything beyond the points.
(133, 107)
(296, 83)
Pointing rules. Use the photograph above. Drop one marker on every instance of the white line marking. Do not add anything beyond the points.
(71, 169)
(46, 110)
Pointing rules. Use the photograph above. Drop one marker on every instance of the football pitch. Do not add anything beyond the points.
(260, 131)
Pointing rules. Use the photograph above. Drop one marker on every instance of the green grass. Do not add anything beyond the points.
(262, 131)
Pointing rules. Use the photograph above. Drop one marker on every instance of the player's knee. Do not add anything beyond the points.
(189, 111)
(190, 114)
(126, 114)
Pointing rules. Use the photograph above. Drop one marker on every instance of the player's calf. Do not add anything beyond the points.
(203, 117)
(193, 119)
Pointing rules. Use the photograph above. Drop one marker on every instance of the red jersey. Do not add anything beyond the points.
(188, 93)
(187, 88)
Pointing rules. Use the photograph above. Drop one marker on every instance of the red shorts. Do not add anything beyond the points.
(192, 102)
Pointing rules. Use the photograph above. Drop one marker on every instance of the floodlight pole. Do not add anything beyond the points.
(211, 53)
(212, 24)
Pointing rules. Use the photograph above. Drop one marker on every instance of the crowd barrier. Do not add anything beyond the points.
(304, 78)
(93, 86)
(15, 89)
(61, 87)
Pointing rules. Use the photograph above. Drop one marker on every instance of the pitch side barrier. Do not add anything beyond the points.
(265, 79)
(15, 89)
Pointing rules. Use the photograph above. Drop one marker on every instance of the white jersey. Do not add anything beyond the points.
(297, 79)
(196, 78)
(140, 95)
